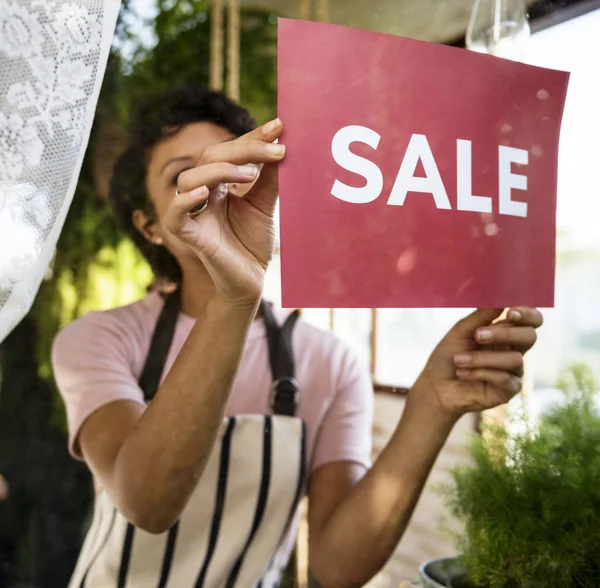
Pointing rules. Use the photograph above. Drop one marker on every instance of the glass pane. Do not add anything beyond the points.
(405, 339)
(353, 325)
(572, 329)
(46, 497)
(318, 317)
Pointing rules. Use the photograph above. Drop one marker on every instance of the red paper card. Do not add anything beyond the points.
(416, 175)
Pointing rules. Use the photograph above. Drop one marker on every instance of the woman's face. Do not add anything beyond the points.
(170, 157)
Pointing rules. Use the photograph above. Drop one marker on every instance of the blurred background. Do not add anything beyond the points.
(232, 44)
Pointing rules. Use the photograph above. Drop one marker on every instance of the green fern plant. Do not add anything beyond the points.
(529, 505)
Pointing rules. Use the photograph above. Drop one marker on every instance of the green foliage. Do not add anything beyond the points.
(258, 66)
(530, 503)
(181, 56)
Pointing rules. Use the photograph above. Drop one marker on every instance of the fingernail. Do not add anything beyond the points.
(249, 171)
(197, 192)
(463, 373)
(462, 360)
(275, 148)
(514, 315)
(271, 126)
(485, 335)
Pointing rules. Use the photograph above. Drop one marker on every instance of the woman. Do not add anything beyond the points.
(200, 486)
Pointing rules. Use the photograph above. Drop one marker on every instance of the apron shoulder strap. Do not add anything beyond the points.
(285, 392)
(160, 344)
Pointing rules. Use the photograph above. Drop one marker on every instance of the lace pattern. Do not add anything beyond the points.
(52, 60)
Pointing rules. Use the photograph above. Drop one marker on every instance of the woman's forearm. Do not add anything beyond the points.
(365, 529)
(164, 456)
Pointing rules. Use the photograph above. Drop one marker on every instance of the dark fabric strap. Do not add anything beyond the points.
(285, 391)
(160, 345)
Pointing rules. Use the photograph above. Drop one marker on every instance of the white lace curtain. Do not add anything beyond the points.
(53, 56)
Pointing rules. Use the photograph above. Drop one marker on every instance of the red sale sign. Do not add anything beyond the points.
(416, 175)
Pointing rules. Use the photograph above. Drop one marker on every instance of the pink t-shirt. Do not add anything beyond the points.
(98, 359)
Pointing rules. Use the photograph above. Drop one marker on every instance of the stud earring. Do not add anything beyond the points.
(158, 241)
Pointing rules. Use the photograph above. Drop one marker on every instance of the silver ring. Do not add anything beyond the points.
(177, 192)
(198, 209)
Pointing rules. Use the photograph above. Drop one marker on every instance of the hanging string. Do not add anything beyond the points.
(323, 10)
(373, 341)
(233, 50)
(216, 46)
(304, 9)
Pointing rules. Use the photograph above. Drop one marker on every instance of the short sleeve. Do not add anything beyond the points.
(345, 432)
(92, 360)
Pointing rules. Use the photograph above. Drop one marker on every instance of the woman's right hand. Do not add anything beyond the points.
(234, 237)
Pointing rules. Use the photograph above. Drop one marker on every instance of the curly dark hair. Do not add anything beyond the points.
(157, 117)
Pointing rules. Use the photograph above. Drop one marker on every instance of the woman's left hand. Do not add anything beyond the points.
(479, 364)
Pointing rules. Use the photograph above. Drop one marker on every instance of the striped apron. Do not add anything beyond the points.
(236, 529)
